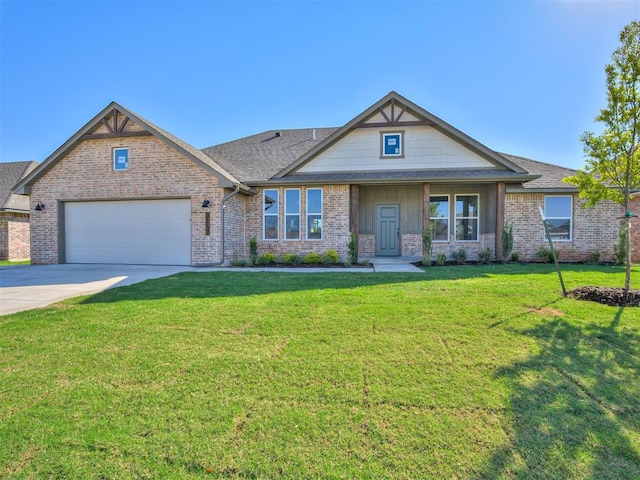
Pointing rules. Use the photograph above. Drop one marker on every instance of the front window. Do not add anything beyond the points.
(314, 214)
(558, 214)
(439, 218)
(467, 218)
(292, 214)
(271, 207)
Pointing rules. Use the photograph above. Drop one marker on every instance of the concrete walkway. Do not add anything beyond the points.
(395, 264)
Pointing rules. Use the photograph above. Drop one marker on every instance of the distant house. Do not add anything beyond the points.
(122, 190)
(14, 212)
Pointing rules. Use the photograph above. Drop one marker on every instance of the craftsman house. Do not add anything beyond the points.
(122, 190)
(14, 212)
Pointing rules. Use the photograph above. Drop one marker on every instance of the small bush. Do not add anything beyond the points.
(620, 254)
(545, 254)
(460, 256)
(507, 239)
(253, 250)
(594, 257)
(353, 248)
(291, 259)
(441, 259)
(427, 247)
(240, 262)
(330, 257)
(485, 256)
(365, 262)
(266, 259)
(515, 257)
(312, 258)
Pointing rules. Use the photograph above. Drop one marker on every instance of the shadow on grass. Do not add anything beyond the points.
(234, 284)
(574, 411)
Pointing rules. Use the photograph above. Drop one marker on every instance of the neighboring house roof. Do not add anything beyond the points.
(225, 179)
(259, 157)
(550, 179)
(10, 174)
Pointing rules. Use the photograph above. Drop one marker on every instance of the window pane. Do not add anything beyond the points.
(314, 201)
(557, 207)
(559, 229)
(271, 227)
(439, 207)
(271, 202)
(467, 229)
(467, 206)
(439, 230)
(314, 227)
(292, 228)
(292, 201)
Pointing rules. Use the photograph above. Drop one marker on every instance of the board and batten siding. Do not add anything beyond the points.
(424, 148)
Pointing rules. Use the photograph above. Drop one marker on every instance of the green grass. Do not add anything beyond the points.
(12, 262)
(465, 372)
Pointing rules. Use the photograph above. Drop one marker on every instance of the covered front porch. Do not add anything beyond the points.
(389, 219)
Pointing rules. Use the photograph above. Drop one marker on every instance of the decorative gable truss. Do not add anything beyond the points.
(116, 125)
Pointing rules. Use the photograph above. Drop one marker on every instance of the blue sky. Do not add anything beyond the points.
(522, 77)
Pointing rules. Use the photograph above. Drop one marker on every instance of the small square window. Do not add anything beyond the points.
(392, 144)
(120, 158)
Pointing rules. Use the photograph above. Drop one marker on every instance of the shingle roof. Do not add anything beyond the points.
(550, 175)
(259, 157)
(10, 174)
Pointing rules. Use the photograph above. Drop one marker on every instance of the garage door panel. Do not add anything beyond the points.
(130, 232)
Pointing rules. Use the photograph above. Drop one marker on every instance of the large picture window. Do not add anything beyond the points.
(558, 213)
(467, 218)
(439, 218)
(271, 207)
(292, 214)
(314, 214)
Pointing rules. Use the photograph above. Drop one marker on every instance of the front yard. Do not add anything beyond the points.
(465, 372)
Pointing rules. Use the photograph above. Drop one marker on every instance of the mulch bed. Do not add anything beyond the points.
(614, 297)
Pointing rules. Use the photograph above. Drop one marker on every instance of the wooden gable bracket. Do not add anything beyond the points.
(115, 129)
(393, 119)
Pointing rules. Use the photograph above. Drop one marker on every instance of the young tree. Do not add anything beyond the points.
(612, 170)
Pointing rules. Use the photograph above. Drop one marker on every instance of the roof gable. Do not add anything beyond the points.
(115, 121)
(396, 112)
(10, 174)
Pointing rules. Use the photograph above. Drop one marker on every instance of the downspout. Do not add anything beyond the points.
(224, 200)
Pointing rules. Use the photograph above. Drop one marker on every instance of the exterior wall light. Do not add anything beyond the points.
(205, 204)
(39, 206)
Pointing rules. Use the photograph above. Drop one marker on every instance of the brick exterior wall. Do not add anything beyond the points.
(14, 236)
(335, 224)
(236, 241)
(472, 248)
(155, 171)
(594, 229)
(635, 230)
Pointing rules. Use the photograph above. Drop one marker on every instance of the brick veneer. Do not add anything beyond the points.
(635, 230)
(14, 236)
(335, 224)
(155, 171)
(522, 211)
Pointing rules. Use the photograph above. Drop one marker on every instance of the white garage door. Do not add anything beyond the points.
(130, 232)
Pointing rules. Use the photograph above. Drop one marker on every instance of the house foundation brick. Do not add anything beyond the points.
(14, 236)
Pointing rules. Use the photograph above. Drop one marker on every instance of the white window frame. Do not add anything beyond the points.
(295, 214)
(570, 197)
(456, 218)
(116, 149)
(383, 136)
(265, 215)
(448, 217)
(306, 227)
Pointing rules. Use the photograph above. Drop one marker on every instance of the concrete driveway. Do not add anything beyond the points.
(25, 287)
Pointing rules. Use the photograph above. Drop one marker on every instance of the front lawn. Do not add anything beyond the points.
(464, 372)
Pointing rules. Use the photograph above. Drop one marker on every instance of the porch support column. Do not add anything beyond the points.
(500, 220)
(353, 214)
(426, 193)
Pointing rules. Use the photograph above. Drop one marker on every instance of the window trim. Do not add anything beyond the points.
(265, 215)
(308, 213)
(448, 217)
(287, 214)
(383, 134)
(456, 218)
(570, 197)
(117, 149)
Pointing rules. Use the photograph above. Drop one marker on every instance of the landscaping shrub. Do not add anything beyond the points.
(312, 258)
(460, 256)
(441, 259)
(240, 262)
(545, 254)
(353, 248)
(620, 254)
(253, 250)
(485, 256)
(266, 259)
(594, 257)
(330, 257)
(507, 240)
(515, 257)
(427, 247)
(291, 259)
